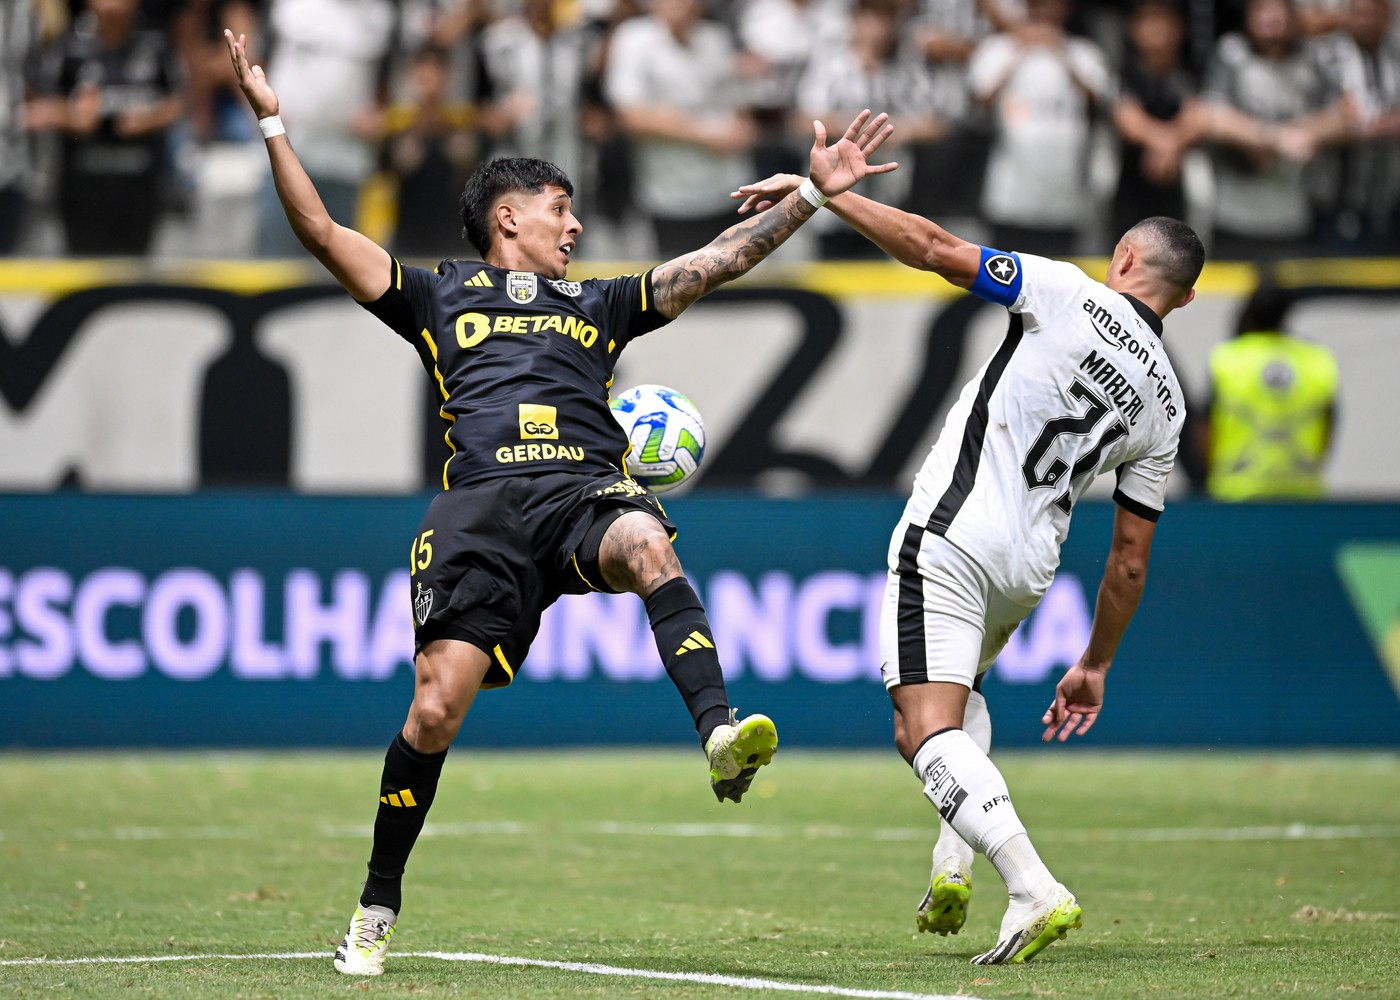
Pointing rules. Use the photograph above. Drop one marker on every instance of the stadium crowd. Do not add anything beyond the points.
(1272, 126)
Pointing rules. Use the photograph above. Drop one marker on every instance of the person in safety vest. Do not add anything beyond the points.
(1273, 408)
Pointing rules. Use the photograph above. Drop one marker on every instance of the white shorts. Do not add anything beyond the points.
(941, 620)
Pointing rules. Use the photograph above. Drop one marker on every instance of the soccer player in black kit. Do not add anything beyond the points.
(536, 499)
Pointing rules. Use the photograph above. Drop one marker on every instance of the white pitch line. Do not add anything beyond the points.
(591, 968)
(742, 831)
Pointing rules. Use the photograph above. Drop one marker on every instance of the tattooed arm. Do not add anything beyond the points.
(834, 169)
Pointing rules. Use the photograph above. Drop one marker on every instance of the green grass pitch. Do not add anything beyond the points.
(1208, 874)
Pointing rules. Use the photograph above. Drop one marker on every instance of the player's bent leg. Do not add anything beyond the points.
(971, 795)
(635, 555)
(943, 910)
(449, 672)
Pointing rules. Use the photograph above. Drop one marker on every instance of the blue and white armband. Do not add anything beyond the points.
(998, 277)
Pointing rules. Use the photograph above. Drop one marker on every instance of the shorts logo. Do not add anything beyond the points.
(1001, 269)
(538, 421)
(422, 605)
(627, 487)
(570, 288)
(522, 286)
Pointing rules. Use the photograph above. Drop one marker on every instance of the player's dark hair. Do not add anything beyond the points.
(1172, 249)
(501, 176)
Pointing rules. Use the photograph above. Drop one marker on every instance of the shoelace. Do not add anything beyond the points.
(371, 931)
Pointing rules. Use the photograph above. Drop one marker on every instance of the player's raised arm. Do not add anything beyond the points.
(909, 239)
(356, 261)
(1079, 695)
(834, 169)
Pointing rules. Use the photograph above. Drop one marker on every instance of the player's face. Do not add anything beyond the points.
(548, 231)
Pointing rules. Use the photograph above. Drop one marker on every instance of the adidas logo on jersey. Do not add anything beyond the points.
(479, 280)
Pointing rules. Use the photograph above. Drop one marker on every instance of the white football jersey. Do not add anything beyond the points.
(1080, 385)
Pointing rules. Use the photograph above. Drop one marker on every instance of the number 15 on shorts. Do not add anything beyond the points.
(421, 556)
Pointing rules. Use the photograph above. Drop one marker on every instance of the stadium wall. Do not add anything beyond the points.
(167, 378)
(254, 619)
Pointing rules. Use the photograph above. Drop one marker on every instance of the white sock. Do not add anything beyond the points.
(952, 852)
(971, 795)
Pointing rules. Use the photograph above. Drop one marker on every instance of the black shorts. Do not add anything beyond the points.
(488, 559)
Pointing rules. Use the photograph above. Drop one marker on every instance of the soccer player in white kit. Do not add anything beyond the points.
(1080, 385)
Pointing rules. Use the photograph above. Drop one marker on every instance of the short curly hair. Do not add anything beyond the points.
(497, 177)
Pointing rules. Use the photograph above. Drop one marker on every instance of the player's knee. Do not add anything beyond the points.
(435, 719)
(642, 558)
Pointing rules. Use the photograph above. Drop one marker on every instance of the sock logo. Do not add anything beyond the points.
(996, 800)
(403, 797)
(939, 788)
(694, 641)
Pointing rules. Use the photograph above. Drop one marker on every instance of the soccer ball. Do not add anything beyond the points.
(667, 435)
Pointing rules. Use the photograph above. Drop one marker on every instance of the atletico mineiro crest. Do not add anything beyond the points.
(522, 286)
(422, 605)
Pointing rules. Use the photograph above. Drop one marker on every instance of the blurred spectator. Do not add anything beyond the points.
(946, 179)
(1361, 203)
(1041, 86)
(777, 38)
(328, 60)
(870, 70)
(672, 78)
(1273, 409)
(17, 35)
(431, 149)
(534, 66)
(1270, 108)
(215, 109)
(1152, 116)
(111, 91)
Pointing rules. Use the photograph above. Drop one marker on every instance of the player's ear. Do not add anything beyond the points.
(1126, 257)
(1187, 298)
(506, 217)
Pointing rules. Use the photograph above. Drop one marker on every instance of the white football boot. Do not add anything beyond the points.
(367, 940)
(1034, 929)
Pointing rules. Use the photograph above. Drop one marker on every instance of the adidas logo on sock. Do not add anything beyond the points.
(694, 641)
(403, 797)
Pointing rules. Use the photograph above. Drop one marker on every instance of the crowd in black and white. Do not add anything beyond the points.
(1047, 126)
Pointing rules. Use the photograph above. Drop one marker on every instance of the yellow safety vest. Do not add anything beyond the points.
(1269, 421)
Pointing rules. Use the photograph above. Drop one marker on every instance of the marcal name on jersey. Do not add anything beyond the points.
(474, 327)
(539, 453)
(1115, 385)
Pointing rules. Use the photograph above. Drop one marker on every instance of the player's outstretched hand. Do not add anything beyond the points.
(834, 168)
(766, 193)
(251, 79)
(1078, 701)
(838, 167)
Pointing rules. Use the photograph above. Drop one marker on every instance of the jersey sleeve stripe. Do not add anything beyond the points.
(1136, 506)
(646, 284)
(398, 280)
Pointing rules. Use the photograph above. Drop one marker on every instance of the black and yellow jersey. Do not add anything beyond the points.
(522, 363)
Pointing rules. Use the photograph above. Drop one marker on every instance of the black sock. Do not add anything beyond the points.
(406, 792)
(688, 649)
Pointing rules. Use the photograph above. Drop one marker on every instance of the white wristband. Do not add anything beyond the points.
(272, 126)
(809, 191)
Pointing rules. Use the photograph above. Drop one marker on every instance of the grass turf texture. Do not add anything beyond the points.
(582, 857)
